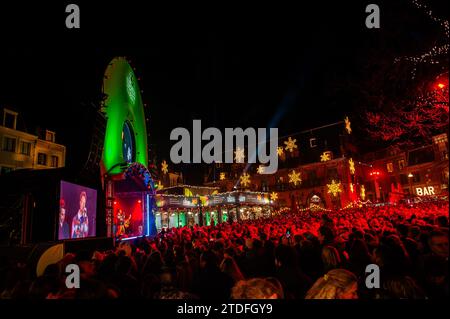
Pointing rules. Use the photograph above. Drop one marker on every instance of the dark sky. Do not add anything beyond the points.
(228, 65)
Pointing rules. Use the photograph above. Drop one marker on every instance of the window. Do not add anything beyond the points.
(25, 148)
(54, 161)
(42, 159)
(401, 164)
(9, 119)
(332, 173)
(390, 167)
(9, 144)
(416, 177)
(50, 136)
(403, 179)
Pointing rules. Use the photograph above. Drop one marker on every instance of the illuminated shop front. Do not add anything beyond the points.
(179, 211)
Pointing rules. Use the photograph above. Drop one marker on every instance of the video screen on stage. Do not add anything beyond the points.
(77, 211)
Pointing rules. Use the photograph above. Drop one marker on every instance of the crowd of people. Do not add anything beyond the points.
(292, 255)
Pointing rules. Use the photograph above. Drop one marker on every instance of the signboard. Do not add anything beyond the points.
(425, 191)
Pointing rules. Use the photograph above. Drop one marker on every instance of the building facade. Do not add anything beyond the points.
(420, 171)
(317, 167)
(21, 150)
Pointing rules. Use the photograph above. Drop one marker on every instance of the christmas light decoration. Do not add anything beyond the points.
(363, 192)
(159, 186)
(245, 179)
(290, 144)
(222, 176)
(239, 155)
(260, 169)
(295, 178)
(438, 50)
(164, 167)
(273, 196)
(280, 151)
(334, 188)
(348, 124)
(351, 165)
(325, 157)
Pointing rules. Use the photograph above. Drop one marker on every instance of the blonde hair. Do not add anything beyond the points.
(332, 285)
(256, 288)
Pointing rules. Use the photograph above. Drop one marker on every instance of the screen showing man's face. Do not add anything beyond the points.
(82, 202)
(62, 215)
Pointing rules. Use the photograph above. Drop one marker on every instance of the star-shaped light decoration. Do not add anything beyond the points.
(351, 165)
(295, 178)
(273, 196)
(348, 126)
(325, 157)
(363, 192)
(280, 151)
(239, 155)
(290, 144)
(164, 167)
(260, 169)
(245, 179)
(222, 176)
(351, 187)
(334, 188)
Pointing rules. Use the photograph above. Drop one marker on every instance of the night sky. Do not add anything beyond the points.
(229, 66)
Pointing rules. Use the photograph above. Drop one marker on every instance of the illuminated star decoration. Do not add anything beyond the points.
(222, 176)
(363, 192)
(334, 188)
(351, 166)
(290, 144)
(245, 179)
(295, 178)
(325, 157)
(280, 151)
(164, 167)
(260, 169)
(348, 124)
(239, 155)
(273, 196)
(351, 187)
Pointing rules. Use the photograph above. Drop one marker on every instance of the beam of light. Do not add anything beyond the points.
(288, 100)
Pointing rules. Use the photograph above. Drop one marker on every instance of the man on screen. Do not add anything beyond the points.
(80, 223)
(64, 231)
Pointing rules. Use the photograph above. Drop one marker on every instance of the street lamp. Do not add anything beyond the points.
(410, 176)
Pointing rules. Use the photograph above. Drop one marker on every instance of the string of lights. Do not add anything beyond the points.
(438, 50)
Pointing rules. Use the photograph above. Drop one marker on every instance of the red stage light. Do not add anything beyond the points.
(139, 201)
(115, 203)
(441, 85)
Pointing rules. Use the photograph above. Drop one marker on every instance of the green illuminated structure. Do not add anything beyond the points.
(126, 132)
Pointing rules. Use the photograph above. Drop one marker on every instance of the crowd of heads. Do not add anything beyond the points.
(291, 255)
